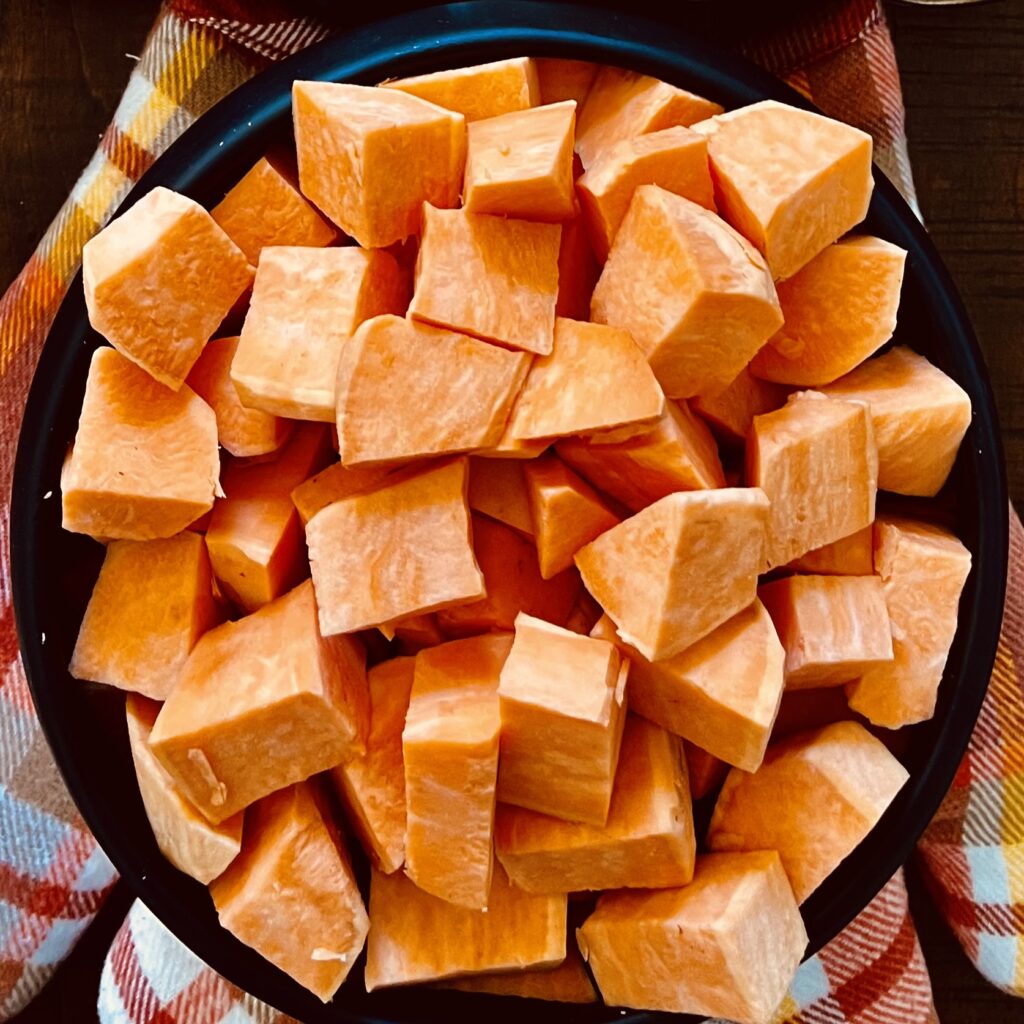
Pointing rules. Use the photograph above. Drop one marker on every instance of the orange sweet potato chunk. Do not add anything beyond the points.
(145, 462)
(450, 746)
(790, 180)
(497, 488)
(920, 416)
(417, 937)
(456, 392)
(267, 208)
(158, 281)
(492, 277)
(291, 894)
(578, 271)
(370, 158)
(399, 550)
(334, 483)
(520, 164)
(623, 104)
(833, 628)
(562, 713)
(152, 601)
(727, 945)
(184, 836)
(648, 841)
(306, 305)
(848, 556)
(676, 159)
(414, 633)
(670, 574)
(562, 79)
(478, 92)
(695, 295)
(261, 703)
(569, 982)
(706, 771)
(923, 570)
(817, 461)
(731, 412)
(372, 784)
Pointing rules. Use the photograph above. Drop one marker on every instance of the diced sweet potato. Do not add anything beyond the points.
(497, 488)
(291, 894)
(578, 271)
(923, 570)
(623, 104)
(416, 632)
(145, 462)
(706, 771)
(562, 79)
(457, 392)
(306, 304)
(848, 556)
(684, 565)
(493, 277)
(833, 628)
(721, 693)
(450, 746)
(731, 412)
(267, 208)
(567, 513)
(695, 295)
(674, 158)
(562, 713)
(152, 602)
(841, 767)
(520, 164)
(333, 484)
(569, 982)
(158, 281)
(184, 836)
(817, 461)
(261, 703)
(478, 92)
(727, 945)
(792, 181)
(370, 158)
(839, 309)
(919, 414)
(417, 937)
(678, 454)
(647, 843)
(372, 785)
(399, 550)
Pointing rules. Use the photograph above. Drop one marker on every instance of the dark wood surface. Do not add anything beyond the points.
(64, 63)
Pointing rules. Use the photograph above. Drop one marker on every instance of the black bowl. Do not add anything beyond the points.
(53, 571)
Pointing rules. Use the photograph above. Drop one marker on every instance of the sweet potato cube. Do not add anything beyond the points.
(923, 570)
(721, 693)
(145, 462)
(306, 305)
(841, 767)
(695, 295)
(267, 208)
(152, 602)
(567, 513)
(562, 712)
(706, 771)
(478, 92)
(159, 279)
(647, 843)
(819, 186)
(261, 703)
(291, 894)
(370, 158)
(520, 164)
(399, 550)
(569, 982)
(497, 488)
(493, 277)
(848, 556)
(731, 412)
(727, 945)
(184, 836)
(334, 483)
(562, 79)
(507, 448)
(457, 392)
(623, 104)
(416, 632)
(372, 784)
(450, 746)
(919, 416)
(676, 159)
(677, 454)
(816, 460)
(578, 271)
(417, 937)
(670, 574)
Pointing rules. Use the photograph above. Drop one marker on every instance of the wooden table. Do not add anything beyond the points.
(63, 66)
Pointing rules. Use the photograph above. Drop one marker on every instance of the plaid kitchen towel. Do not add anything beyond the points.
(52, 875)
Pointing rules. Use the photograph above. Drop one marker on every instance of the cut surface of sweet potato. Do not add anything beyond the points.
(706, 771)
(578, 271)
(497, 488)
(848, 556)
(562, 79)
(731, 411)
(569, 982)
(334, 483)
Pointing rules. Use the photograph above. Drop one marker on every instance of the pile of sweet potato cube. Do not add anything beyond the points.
(594, 535)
